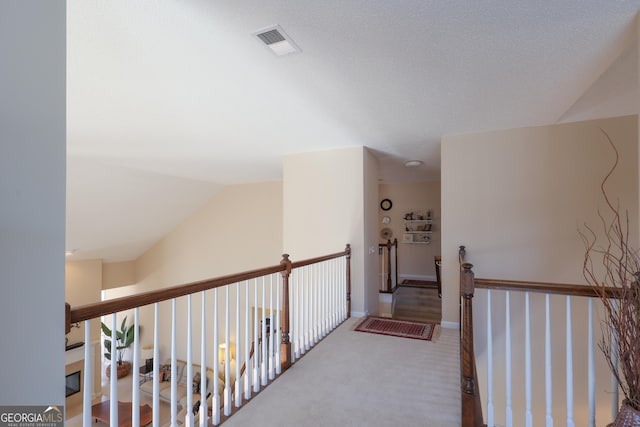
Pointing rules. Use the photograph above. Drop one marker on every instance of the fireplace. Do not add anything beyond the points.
(73, 383)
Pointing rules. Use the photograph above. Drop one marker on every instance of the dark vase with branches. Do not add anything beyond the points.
(123, 340)
(612, 268)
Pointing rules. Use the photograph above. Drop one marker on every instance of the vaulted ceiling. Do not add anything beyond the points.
(169, 101)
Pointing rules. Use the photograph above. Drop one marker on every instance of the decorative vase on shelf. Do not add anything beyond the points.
(627, 417)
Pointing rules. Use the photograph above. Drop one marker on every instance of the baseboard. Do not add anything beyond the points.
(401, 277)
(450, 325)
(359, 314)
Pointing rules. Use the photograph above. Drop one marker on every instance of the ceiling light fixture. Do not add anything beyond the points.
(277, 40)
(69, 252)
(413, 163)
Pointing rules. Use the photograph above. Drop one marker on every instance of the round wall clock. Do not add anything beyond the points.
(386, 204)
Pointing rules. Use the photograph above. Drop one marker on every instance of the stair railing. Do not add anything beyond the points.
(388, 266)
(269, 317)
(471, 407)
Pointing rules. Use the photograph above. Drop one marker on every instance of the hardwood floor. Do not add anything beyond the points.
(420, 304)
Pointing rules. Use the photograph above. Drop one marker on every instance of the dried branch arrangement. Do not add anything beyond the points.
(617, 274)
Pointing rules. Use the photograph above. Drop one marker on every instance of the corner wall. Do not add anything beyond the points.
(32, 190)
(324, 210)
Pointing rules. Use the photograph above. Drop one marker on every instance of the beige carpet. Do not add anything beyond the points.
(356, 379)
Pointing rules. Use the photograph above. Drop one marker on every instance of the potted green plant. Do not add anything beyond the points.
(123, 340)
(612, 268)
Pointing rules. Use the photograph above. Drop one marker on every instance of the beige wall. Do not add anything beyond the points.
(324, 210)
(239, 229)
(414, 260)
(516, 198)
(117, 274)
(83, 285)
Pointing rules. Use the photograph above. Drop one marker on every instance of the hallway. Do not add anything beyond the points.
(360, 379)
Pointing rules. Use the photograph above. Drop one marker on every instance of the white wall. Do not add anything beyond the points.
(516, 198)
(371, 203)
(32, 190)
(324, 210)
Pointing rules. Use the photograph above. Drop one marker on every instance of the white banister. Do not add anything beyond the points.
(227, 355)
(247, 343)
(256, 342)
(113, 391)
(591, 368)
(88, 375)
(215, 402)
(271, 330)
(237, 390)
(307, 310)
(569, 368)
(508, 409)
(189, 416)
(489, 362)
(547, 363)
(263, 365)
(174, 374)
(277, 326)
(527, 361)
(156, 368)
(204, 412)
(135, 392)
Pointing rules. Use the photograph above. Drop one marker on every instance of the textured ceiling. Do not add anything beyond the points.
(180, 95)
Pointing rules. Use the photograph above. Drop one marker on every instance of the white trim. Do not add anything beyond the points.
(415, 277)
(450, 325)
(359, 314)
(385, 298)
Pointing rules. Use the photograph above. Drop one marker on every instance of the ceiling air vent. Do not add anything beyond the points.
(277, 40)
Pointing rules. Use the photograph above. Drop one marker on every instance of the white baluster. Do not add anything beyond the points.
(189, 416)
(315, 304)
(489, 362)
(113, 391)
(174, 373)
(569, 354)
(264, 334)
(215, 402)
(204, 412)
(135, 384)
(307, 310)
(238, 391)
(591, 368)
(227, 355)
(508, 409)
(247, 343)
(278, 337)
(156, 368)
(547, 363)
(88, 375)
(527, 362)
(271, 330)
(614, 360)
(256, 342)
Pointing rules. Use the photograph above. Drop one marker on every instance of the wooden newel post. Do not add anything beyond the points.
(389, 283)
(470, 396)
(285, 344)
(348, 251)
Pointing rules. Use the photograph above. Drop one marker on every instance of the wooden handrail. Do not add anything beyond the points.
(103, 308)
(546, 287)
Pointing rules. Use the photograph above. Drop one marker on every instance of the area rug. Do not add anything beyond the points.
(397, 328)
(419, 283)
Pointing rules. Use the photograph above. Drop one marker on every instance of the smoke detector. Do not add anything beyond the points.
(277, 40)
